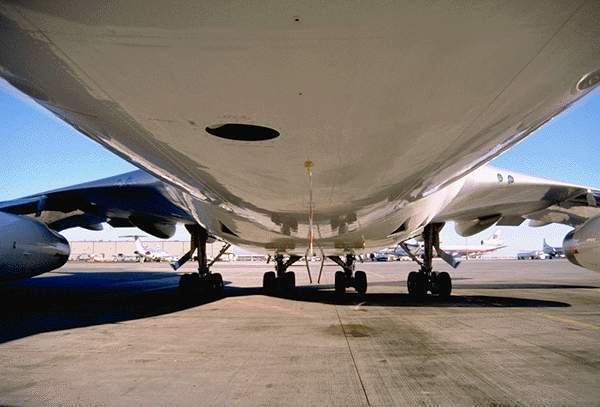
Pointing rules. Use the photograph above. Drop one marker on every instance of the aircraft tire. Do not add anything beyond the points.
(269, 281)
(434, 287)
(184, 282)
(217, 283)
(444, 283)
(360, 282)
(290, 281)
(416, 284)
(197, 284)
(340, 282)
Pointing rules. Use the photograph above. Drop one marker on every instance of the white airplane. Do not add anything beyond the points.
(489, 245)
(333, 130)
(552, 251)
(148, 253)
(532, 255)
(411, 248)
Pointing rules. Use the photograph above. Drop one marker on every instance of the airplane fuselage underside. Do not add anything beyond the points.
(359, 119)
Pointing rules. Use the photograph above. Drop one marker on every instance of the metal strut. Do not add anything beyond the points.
(203, 282)
(410, 254)
(430, 235)
(322, 265)
(198, 239)
(348, 277)
(436, 244)
(347, 266)
(281, 266)
(201, 237)
(426, 280)
(221, 252)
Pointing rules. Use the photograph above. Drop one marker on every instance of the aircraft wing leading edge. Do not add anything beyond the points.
(499, 196)
(126, 200)
(489, 195)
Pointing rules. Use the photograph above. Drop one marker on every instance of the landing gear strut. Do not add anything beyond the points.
(427, 280)
(203, 282)
(345, 278)
(281, 280)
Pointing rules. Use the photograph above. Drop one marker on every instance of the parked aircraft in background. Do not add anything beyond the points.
(532, 255)
(400, 251)
(331, 131)
(547, 252)
(552, 251)
(148, 253)
(486, 246)
(387, 254)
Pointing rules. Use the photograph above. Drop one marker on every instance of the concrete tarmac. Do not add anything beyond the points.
(513, 333)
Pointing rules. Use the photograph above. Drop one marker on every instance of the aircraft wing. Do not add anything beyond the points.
(496, 196)
(127, 200)
(572, 212)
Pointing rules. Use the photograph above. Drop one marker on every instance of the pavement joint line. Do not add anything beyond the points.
(570, 321)
(362, 385)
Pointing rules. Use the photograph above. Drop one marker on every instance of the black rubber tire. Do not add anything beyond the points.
(184, 282)
(269, 281)
(203, 285)
(217, 283)
(290, 281)
(417, 284)
(195, 282)
(340, 282)
(435, 289)
(360, 282)
(410, 282)
(444, 284)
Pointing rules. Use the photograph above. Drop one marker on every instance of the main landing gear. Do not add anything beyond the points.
(203, 282)
(426, 280)
(345, 278)
(281, 280)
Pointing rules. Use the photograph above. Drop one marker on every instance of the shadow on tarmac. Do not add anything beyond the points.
(72, 300)
(489, 286)
(326, 295)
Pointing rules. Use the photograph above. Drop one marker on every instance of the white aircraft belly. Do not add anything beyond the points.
(390, 101)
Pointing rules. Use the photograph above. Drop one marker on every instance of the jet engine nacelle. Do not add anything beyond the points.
(582, 245)
(29, 248)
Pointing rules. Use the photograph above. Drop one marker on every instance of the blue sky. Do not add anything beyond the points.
(42, 153)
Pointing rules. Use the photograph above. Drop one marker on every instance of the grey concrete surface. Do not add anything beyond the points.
(514, 333)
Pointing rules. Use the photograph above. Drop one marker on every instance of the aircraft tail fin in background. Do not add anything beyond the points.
(546, 245)
(140, 247)
(495, 239)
